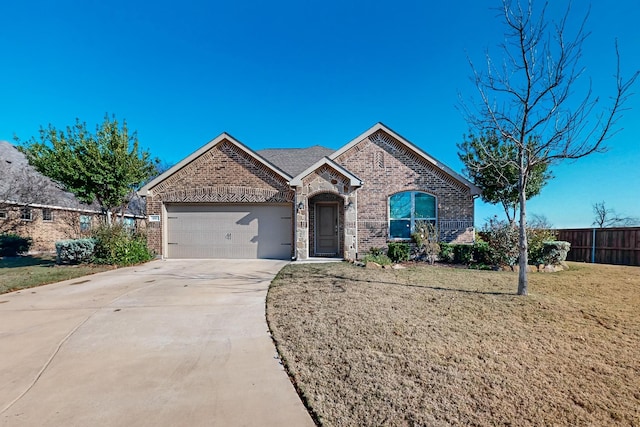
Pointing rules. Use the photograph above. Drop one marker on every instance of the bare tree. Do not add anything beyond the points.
(532, 92)
(540, 222)
(606, 217)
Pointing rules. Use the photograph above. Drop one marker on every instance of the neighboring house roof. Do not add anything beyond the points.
(294, 160)
(21, 184)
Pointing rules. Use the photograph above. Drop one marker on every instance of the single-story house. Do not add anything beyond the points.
(32, 205)
(228, 201)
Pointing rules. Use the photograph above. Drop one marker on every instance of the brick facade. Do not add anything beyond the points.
(381, 164)
(224, 174)
(387, 166)
(63, 224)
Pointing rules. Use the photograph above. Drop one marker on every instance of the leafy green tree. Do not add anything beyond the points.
(106, 167)
(533, 97)
(492, 166)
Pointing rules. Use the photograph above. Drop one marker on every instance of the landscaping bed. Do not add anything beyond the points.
(448, 346)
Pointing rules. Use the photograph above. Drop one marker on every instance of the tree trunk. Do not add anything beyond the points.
(523, 280)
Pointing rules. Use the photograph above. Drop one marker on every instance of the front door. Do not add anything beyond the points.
(327, 229)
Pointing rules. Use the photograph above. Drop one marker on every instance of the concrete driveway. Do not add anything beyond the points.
(169, 343)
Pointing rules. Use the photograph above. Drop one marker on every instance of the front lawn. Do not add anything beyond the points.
(433, 346)
(29, 271)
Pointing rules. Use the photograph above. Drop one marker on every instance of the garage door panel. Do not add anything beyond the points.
(229, 231)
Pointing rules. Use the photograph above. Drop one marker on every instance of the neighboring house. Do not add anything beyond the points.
(31, 205)
(227, 201)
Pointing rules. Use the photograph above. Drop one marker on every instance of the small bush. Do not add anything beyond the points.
(536, 239)
(380, 259)
(502, 238)
(117, 245)
(426, 237)
(482, 253)
(76, 251)
(446, 252)
(399, 251)
(462, 254)
(376, 251)
(555, 252)
(12, 244)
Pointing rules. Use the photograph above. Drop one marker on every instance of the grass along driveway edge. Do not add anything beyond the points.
(25, 272)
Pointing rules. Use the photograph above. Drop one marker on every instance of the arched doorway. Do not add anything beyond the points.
(326, 225)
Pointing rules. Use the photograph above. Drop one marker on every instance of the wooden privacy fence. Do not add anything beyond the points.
(603, 245)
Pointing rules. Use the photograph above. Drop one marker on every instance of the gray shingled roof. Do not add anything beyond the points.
(294, 160)
(21, 183)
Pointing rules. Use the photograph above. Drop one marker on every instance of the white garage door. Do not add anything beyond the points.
(229, 231)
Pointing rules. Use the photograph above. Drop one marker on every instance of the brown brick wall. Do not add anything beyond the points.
(386, 167)
(65, 225)
(224, 174)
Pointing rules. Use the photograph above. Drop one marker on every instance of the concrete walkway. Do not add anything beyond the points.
(169, 343)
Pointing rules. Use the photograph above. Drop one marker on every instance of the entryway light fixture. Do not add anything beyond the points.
(300, 206)
(348, 206)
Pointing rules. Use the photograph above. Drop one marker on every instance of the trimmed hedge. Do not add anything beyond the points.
(399, 251)
(12, 244)
(76, 251)
(446, 252)
(555, 252)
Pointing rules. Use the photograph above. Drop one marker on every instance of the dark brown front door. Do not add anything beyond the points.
(327, 229)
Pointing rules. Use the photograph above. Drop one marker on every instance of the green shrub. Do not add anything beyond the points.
(117, 245)
(536, 239)
(462, 254)
(12, 244)
(376, 251)
(446, 252)
(502, 238)
(482, 253)
(76, 251)
(398, 251)
(555, 252)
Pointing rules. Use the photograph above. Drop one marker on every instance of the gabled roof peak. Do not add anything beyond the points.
(224, 136)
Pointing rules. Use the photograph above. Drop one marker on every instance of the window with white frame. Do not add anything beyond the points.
(3, 214)
(406, 208)
(85, 222)
(47, 215)
(26, 214)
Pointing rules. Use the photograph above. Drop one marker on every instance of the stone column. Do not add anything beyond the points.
(351, 225)
(302, 224)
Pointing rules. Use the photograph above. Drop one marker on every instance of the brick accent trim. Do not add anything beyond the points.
(227, 194)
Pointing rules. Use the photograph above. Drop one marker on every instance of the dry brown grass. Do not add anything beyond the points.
(441, 346)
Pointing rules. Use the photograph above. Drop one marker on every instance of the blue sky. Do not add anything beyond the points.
(295, 74)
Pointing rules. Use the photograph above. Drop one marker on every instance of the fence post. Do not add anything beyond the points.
(593, 247)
